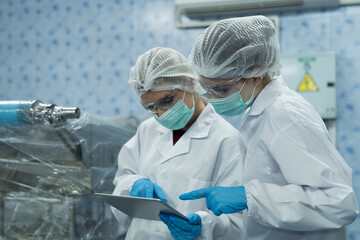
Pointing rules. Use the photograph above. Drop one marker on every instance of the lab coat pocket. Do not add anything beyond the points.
(192, 206)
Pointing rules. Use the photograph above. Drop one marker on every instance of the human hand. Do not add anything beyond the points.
(220, 199)
(145, 188)
(181, 229)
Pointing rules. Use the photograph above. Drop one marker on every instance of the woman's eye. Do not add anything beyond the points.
(223, 90)
(167, 100)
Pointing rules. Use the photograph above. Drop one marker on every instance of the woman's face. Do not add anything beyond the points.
(160, 101)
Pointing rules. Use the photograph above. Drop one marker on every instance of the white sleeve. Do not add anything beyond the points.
(225, 226)
(127, 174)
(319, 193)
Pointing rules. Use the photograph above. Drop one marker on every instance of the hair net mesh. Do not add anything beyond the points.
(162, 69)
(237, 47)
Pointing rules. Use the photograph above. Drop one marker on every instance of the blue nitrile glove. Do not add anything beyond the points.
(145, 188)
(181, 229)
(220, 199)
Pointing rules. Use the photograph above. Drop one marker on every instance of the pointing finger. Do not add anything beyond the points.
(197, 194)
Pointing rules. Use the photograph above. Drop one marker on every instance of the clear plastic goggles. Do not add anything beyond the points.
(220, 90)
(164, 103)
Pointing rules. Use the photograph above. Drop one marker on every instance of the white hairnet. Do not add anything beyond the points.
(162, 69)
(237, 47)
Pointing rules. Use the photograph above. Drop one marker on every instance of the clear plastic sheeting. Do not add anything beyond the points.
(48, 174)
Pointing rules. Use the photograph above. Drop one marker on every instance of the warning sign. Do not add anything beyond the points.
(307, 84)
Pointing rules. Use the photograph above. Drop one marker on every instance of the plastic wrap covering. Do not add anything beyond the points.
(48, 173)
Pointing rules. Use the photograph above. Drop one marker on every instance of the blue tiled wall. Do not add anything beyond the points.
(78, 53)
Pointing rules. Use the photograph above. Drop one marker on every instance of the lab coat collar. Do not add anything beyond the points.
(199, 129)
(271, 91)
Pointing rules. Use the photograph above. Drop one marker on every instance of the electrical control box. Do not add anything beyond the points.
(314, 77)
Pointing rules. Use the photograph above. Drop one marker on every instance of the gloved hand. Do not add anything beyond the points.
(145, 188)
(181, 229)
(220, 199)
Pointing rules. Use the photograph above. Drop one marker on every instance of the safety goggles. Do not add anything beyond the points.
(220, 90)
(164, 103)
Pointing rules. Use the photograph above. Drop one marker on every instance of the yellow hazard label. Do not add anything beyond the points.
(307, 84)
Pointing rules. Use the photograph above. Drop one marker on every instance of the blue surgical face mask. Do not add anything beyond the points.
(177, 116)
(233, 104)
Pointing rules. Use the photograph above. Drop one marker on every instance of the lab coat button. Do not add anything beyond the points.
(158, 228)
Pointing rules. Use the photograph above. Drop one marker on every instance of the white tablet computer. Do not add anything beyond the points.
(138, 207)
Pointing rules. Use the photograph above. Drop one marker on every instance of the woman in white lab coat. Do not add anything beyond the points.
(296, 185)
(186, 145)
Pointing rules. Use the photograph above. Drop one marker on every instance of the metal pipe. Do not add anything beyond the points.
(15, 113)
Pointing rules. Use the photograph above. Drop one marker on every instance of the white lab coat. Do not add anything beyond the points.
(297, 184)
(210, 153)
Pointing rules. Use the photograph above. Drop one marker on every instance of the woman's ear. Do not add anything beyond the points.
(257, 81)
